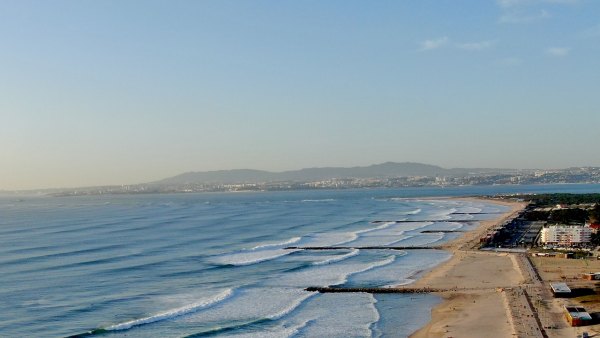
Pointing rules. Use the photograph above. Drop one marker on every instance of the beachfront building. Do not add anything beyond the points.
(560, 289)
(577, 316)
(591, 276)
(565, 235)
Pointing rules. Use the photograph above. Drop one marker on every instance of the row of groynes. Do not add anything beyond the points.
(360, 247)
(328, 289)
(430, 221)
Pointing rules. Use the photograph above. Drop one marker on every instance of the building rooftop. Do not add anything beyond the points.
(560, 288)
(578, 312)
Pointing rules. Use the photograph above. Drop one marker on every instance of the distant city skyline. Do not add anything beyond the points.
(125, 92)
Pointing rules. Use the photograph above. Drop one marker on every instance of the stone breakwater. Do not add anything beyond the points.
(429, 221)
(360, 247)
(328, 289)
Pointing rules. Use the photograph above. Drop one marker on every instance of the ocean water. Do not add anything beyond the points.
(216, 265)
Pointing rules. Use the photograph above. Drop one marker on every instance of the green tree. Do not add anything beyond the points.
(567, 216)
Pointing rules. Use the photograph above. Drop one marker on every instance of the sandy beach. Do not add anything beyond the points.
(480, 287)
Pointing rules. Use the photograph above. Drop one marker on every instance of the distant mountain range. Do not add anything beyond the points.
(384, 175)
(384, 170)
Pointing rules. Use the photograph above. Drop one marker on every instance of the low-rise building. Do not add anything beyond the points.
(591, 276)
(565, 235)
(560, 289)
(577, 316)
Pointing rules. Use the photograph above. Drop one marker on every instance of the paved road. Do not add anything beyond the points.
(523, 316)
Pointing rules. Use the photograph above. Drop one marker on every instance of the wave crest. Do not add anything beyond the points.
(172, 313)
(338, 258)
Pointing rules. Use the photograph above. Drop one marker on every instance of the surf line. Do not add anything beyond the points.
(170, 314)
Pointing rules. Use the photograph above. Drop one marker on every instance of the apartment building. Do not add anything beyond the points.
(565, 235)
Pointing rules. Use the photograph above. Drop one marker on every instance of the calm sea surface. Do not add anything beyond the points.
(203, 265)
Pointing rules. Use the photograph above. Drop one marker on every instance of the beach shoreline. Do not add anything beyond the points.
(476, 280)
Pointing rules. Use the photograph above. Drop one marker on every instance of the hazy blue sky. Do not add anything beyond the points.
(113, 92)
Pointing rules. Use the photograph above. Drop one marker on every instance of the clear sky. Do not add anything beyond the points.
(117, 92)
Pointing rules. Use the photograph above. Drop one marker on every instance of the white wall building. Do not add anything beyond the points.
(565, 234)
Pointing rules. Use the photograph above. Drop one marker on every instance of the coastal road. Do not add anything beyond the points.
(522, 315)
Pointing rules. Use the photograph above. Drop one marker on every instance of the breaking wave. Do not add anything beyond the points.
(338, 258)
(172, 313)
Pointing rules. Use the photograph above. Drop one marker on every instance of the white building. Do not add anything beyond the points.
(566, 235)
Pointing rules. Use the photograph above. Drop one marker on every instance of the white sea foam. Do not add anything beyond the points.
(385, 234)
(440, 214)
(446, 226)
(184, 310)
(252, 257)
(274, 245)
(414, 212)
(412, 226)
(422, 239)
(400, 199)
(259, 253)
(468, 209)
(353, 236)
(401, 270)
(375, 240)
(326, 275)
(270, 251)
(375, 311)
(330, 238)
(455, 225)
(293, 305)
(383, 263)
(379, 227)
(350, 237)
(462, 217)
(338, 258)
(319, 200)
(252, 304)
(382, 234)
(398, 240)
(298, 328)
(282, 331)
(321, 321)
